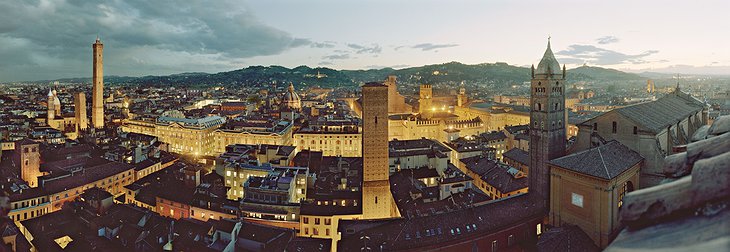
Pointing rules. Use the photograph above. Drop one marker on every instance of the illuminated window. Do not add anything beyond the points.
(628, 187)
(539, 228)
(576, 199)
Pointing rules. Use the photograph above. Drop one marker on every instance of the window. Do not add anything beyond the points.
(576, 199)
(376, 199)
(328, 221)
(636, 130)
(613, 127)
(306, 231)
(316, 221)
(628, 187)
(327, 232)
(539, 228)
(595, 126)
(510, 240)
(494, 245)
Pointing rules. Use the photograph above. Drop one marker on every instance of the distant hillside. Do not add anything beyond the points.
(303, 76)
(598, 73)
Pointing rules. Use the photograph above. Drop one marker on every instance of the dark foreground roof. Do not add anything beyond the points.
(565, 238)
(466, 223)
(606, 161)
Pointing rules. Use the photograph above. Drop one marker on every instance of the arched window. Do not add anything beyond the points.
(539, 83)
(539, 106)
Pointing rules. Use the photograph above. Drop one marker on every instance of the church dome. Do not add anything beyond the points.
(548, 64)
(291, 98)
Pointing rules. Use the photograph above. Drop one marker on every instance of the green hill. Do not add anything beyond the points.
(303, 76)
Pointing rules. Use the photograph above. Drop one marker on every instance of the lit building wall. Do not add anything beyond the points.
(330, 144)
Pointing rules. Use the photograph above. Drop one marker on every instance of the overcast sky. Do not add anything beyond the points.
(46, 39)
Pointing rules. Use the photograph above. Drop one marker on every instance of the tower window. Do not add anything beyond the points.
(613, 128)
(376, 199)
(595, 126)
(376, 120)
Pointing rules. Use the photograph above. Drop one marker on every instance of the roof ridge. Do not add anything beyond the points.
(603, 161)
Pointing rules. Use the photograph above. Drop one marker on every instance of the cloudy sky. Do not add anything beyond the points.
(48, 39)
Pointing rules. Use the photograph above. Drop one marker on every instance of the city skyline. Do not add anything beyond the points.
(50, 40)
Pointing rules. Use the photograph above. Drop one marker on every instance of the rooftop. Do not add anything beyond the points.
(518, 155)
(605, 161)
(659, 114)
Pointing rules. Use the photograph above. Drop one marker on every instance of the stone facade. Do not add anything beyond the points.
(598, 216)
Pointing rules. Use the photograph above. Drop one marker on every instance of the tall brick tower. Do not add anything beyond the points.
(51, 110)
(547, 122)
(391, 82)
(424, 100)
(80, 111)
(28, 159)
(97, 99)
(377, 200)
(461, 98)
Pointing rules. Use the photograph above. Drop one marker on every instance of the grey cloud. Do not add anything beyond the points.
(599, 56)
(336, 57)
(297, 42)
(326, 44)
(56, 36)
(325, 63)
(360, 49)
(429, 46)
(607, 40)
